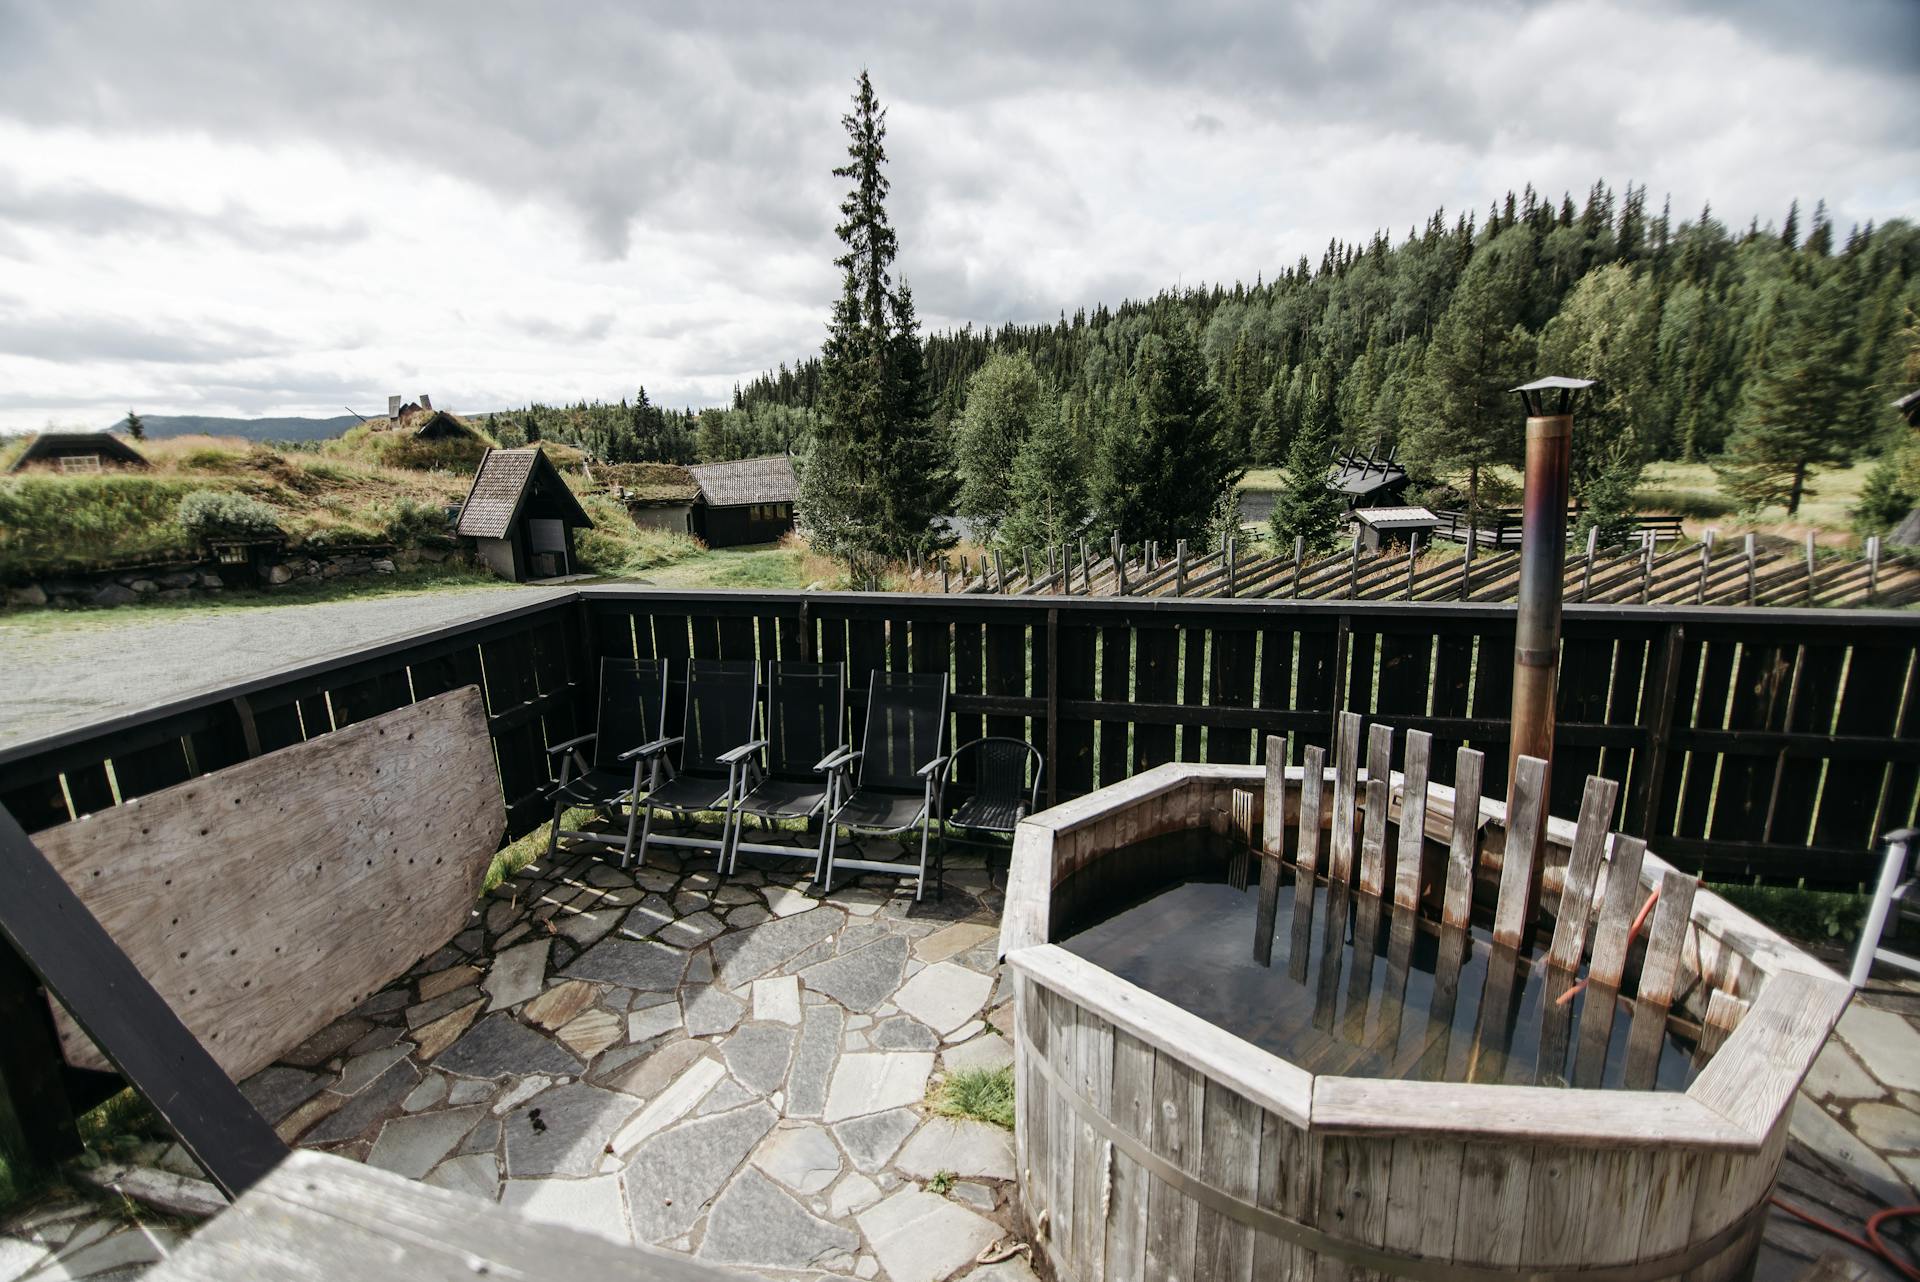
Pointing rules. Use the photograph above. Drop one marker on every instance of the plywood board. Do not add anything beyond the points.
(265, 900)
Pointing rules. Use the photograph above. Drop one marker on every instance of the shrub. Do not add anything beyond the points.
(208, 513)
(343, 535)
(408, 522)
(50, 523)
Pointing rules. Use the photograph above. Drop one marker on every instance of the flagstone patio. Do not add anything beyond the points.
(739, 1070)
(731, 1068)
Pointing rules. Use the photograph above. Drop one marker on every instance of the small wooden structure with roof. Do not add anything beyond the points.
(78, 452)
(745, 501)
(1370, 479)
(522, 515)
(1384, 527)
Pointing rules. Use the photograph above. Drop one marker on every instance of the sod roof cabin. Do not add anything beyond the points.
(78, 452)
(658, 496)
(522, 516)
(746, 501)
(1368, 480)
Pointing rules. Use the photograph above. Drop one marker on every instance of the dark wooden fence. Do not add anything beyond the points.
(1749, 742)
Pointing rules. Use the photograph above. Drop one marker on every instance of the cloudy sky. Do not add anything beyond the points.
(284, 208)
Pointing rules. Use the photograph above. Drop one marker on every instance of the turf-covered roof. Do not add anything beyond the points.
(52, 445)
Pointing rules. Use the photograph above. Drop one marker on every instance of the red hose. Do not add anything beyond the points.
(1872, 1244)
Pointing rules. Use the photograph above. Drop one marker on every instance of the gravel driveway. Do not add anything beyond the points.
(65, 670)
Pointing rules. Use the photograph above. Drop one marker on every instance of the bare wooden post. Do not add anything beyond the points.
(1373, 841)
(1346, 767)
(1313, 783)
(1519, 887)
(946, 575)
(1583, 869)
(1353, 570)
(1180, 568)
(1706, 566)
(1086, 566)
(1873, 565)
(1119, 566)
(1586, 574)
(1466, 565)
(1413, 554)
(1809, 567)
(1026, 566)
(1469, 769)
(1407, 860)
(999, 572)
(1646, 564)
(1232, 558)
(1299, 559)
(1753, 566)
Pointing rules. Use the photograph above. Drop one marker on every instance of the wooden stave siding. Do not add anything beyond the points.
(1098, 1213)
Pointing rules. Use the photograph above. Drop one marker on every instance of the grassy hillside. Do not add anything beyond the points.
(371, 486)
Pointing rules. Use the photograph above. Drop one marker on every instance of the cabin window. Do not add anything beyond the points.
(80, 463)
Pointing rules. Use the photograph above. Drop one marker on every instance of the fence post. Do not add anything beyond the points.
(1646, 564)
(1086, 568)
(1353, 570)
(1413, 554)
(1873, 566)
(1593, 546)
(1119, 566)
(1706, 565)
(1026, 565)
(999, 573)
(1753, 567)
(1232, 558)
(946, 576)
(1180, 568)
(1809, 567)
(1466, 565)
(1299, 558)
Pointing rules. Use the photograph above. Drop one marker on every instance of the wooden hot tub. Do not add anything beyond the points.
(1154, 1143)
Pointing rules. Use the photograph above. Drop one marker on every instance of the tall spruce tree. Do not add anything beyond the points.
(1162, 466)
(875, 479)
(136, 426)
(1305, 508)
(1803, 410)
(1048, 490)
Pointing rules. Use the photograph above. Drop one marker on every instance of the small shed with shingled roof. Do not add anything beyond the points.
(1383, 527)
(746, 501)
(522, 516)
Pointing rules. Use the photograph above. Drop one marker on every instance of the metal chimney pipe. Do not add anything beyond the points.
(1543, 563)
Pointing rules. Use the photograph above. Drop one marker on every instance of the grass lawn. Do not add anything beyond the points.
(773, 566)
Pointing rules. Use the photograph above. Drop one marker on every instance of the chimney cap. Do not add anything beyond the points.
(1569, 389)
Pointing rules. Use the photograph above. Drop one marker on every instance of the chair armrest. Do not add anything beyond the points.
(838, 757)
(932, 768)
(649, 749)
(571, 744)
(745, 750)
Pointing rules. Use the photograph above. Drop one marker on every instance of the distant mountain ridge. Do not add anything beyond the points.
(253, 429)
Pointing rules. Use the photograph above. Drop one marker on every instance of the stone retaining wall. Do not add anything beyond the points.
(182, 582)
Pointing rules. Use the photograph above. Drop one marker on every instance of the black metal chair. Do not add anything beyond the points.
(806, 721)
(895, 787)
(714, 743)
(633, 700)
(1002, 794)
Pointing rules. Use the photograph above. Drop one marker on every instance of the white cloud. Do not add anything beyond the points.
(277, 209)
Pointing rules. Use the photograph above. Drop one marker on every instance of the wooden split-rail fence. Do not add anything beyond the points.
(1706, 573)
(1402, 879)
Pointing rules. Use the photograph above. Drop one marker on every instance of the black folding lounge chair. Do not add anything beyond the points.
(715, 741)
(893, 790)
(633, 700)
(1002, 792)
(806, 722)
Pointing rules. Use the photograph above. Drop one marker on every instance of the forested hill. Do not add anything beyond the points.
(1677, 317)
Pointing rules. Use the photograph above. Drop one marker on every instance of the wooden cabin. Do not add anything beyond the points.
(522, 516)
(1370, 479)
(78, 452)
(746, 501)
(1380, 528)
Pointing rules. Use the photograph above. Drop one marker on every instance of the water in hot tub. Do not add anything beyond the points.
(1392, 997)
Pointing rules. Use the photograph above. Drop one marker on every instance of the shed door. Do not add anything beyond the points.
(548, 535)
